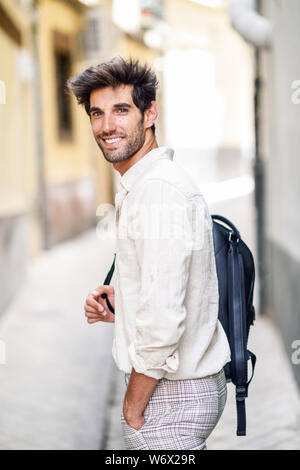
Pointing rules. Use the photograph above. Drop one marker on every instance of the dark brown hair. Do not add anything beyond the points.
(114, 73)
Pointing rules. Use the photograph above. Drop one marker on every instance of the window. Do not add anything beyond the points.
(62, 51)
(92, 36)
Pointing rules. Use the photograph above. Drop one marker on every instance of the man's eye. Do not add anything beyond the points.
(122, 110)
(96, 113)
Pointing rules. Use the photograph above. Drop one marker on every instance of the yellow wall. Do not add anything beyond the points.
(67, 160)
(64, 160)
(17, 181)
(11, 114)
(18, 170)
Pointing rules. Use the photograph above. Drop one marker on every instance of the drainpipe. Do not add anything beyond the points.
(256, 30)
(259, 178)
(246, 20)
(42, 193)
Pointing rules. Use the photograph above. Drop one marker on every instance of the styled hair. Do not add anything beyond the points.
(114, 73)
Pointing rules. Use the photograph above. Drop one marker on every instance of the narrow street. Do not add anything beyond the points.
(226, 83)
(55, 382)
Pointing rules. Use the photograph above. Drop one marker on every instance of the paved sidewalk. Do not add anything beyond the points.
(273, 405)
(55, 383)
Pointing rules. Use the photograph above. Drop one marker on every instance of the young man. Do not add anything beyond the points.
(168, 340)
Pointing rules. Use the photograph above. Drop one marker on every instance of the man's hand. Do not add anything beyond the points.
(139, 391)
(134, 420)
(96, 308)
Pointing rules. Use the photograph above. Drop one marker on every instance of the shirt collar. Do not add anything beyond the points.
(145, 163)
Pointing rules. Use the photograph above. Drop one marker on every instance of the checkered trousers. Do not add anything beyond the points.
(180, 414)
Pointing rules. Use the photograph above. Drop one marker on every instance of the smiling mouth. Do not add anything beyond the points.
(111, 140)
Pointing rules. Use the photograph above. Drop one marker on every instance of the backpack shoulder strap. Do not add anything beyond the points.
(106, 283)
(237, 331)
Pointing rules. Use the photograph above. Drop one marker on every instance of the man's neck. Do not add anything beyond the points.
(150, 144)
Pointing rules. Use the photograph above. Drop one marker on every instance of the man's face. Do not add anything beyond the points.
(117, 124)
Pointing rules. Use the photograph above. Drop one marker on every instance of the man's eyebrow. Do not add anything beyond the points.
(94, 108)
(117, 105)
(122, 105)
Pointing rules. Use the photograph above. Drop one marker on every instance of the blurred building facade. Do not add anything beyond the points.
(69, 190)
(18, 180)
(272, 27)
(53, 176)
(279, 69)
(211, 71)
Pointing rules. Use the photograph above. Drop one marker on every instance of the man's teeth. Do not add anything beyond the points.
(112, 141)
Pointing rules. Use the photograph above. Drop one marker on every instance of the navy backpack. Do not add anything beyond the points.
(236, 275)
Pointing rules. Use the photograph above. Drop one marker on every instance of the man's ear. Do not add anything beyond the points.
(151, 115)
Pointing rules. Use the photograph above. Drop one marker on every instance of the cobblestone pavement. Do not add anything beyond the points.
(55, 383)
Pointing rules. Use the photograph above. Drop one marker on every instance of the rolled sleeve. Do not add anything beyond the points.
(161, 225)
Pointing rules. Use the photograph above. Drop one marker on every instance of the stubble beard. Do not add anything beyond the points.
(134, 143)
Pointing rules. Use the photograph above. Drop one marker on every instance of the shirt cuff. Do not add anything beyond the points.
(157, 372)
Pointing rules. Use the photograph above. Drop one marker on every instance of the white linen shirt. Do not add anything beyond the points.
(166, 287)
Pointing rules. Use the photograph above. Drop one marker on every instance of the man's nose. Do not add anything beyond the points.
(109, 123)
